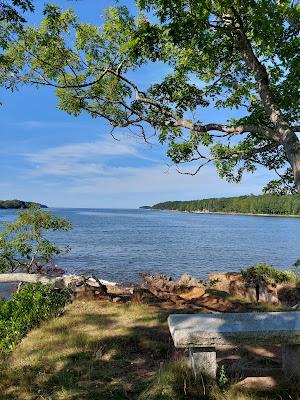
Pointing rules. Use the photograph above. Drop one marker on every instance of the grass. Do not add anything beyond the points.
(176, 382)
(94, 351)
(108, 351)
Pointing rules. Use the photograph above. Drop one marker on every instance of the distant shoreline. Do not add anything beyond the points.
(16, 204)
(226, 213)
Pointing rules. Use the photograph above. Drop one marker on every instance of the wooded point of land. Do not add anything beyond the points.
(262, 204)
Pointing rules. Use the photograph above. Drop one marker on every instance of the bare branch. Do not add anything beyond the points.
(196, 171)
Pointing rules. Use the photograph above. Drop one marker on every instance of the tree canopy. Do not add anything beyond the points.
(221, 54)
(24, 243)
(12, 18)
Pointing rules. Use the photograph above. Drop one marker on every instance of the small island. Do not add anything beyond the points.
(18, 204)
(266, 204)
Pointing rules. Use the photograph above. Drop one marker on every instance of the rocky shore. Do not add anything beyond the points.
(223, 292)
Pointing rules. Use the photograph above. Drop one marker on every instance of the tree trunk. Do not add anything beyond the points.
(284, 134)
(292, 150)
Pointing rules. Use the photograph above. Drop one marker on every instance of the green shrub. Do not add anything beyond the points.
(266, 273)
(223, 381)
(27, 308)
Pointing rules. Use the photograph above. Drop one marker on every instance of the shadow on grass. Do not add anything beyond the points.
(88, 356)
(104, 351)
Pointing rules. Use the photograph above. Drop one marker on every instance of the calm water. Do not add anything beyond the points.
(118, 244)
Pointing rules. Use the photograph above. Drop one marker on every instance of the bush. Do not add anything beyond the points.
(266, 273)
(27, 308)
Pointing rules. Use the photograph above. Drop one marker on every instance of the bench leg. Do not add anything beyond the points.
(204, 361)
(291, 360)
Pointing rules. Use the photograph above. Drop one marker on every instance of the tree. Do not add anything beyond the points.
(226, 54)
(11, 24)
(12, 18)
(11, 11)
(23, 243)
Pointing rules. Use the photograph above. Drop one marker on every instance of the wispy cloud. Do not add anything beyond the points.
(106, 167)
(82, 151)
(83, 159)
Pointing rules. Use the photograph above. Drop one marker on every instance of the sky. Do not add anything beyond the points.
(60, 160)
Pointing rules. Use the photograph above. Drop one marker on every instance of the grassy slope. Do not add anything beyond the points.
(105, 351)
(94, 351)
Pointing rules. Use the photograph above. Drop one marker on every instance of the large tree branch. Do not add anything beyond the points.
(178, 121)
(280, 133)
(175, 120)
(262, 79)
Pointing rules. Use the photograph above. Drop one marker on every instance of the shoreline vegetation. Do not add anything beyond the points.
(18, 204)
(261, 205)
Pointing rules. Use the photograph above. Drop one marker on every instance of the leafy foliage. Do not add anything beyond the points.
(11, 11)
(23, 243)
(265, 273)
(223, 381)
(220, 54)
(263, 204)
(33, 304)
(11, 23)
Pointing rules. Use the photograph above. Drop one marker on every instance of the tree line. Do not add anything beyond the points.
(16, 204)
(262, 204)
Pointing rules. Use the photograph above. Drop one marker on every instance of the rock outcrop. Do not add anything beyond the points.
(220, 294)
(234, 284)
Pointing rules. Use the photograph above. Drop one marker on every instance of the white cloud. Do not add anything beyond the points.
(60, 168)
(86, 169)
(82, 151)
(84, 159)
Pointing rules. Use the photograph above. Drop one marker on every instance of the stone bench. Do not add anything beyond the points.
(200, 333)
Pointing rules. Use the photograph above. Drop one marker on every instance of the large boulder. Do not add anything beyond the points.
(89, 288)
(231, 282)
(164, 288)
(158, 282)
(289, 295)
(234, 284)
(189, 293)
(94, 282)
(190, 281)
(142, 295)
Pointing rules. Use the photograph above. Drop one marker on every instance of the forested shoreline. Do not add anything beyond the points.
(16, 204)
(261, 204)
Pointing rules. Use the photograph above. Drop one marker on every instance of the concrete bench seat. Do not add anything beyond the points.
(202, 332)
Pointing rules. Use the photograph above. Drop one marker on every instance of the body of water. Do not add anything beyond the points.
(118, 244)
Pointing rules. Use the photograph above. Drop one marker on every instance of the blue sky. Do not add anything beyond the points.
(65, 161)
